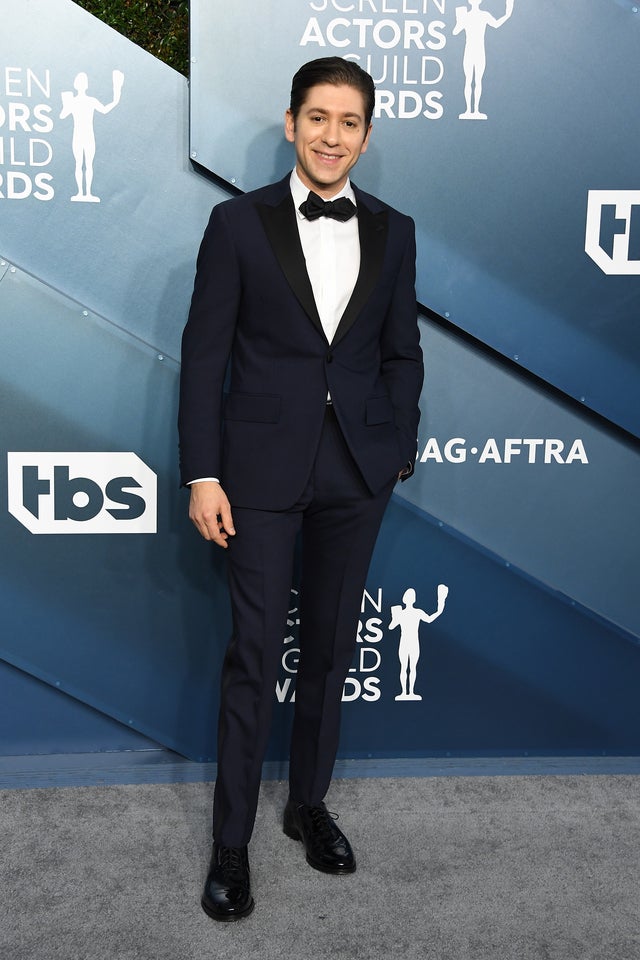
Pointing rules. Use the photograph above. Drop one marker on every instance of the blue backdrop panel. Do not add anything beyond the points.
(529, 478)
(81, 613)
(506, 669)
(130, 257)
(126, 623)
(35, 718)
(500, 203)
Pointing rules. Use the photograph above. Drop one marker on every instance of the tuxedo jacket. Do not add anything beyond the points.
(256, 364)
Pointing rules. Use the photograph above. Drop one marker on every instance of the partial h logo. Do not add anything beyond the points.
(82, 492)
(613, 230)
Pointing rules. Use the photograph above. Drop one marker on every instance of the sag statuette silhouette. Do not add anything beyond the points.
(82, 108)
(408, 618)
(474, 22)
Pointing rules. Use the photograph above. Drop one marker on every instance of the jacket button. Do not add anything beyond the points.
(329, 357)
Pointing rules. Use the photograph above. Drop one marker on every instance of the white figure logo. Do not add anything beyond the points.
(474, 22)
(82, 108)
(408, 618)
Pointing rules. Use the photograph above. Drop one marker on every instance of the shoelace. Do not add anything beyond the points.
(322, 821)
(231, 862)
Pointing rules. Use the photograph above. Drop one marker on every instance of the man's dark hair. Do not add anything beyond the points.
(333, 70)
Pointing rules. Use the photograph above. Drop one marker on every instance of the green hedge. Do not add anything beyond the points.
(159, 26)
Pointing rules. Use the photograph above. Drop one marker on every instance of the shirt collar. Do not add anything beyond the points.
(300, 193)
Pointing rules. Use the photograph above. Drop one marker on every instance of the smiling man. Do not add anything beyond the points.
(306, 287)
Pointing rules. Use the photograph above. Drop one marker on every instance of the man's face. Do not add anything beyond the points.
(329, 134)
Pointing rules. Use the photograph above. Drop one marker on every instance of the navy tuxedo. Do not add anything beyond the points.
(256, 370)
(253, 299)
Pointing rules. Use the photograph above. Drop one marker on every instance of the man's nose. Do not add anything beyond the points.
(331, 133)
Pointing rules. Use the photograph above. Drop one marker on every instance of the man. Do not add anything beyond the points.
(315, 308)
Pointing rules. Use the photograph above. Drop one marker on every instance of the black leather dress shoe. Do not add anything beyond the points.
(327, 847)
(227, 890)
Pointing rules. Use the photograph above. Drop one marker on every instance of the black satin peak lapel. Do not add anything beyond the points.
(281, 228)
(372, 230)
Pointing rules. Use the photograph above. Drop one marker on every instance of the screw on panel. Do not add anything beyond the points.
(160, 356)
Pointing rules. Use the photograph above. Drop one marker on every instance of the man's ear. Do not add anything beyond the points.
(289, 126)
(365, 142)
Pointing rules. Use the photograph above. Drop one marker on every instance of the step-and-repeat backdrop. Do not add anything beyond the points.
(505, 572)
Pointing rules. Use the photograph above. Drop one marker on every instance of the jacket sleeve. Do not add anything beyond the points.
(206, 346)
(401, 357)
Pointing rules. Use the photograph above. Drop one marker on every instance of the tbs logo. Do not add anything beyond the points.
(82, 492)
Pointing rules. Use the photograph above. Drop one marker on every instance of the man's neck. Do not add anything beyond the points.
(345, 188)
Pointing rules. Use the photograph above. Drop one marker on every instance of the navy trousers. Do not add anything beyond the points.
(338, 520)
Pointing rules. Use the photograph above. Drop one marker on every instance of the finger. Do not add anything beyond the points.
(205, 522)
(202, 527)
(227, 519)
(212, 528)
(219, 534)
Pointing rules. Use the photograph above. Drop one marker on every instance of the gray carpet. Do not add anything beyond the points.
(493, 868)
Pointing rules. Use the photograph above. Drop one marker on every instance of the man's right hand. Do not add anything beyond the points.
(210, 511)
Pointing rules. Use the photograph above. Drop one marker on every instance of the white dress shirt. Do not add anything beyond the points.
(332, 253)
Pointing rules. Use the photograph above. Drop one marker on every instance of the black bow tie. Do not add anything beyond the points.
(314, 206)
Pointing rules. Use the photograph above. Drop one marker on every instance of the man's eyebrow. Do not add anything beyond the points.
(358, 116)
